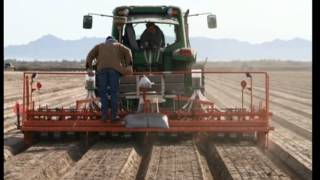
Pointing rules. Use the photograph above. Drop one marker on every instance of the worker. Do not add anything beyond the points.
(152, 37)
(152, 42)
(112, 59)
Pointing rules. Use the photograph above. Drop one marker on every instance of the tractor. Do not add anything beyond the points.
(174, 101)
(172, 53)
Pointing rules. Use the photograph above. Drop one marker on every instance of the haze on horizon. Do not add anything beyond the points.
(246, 20)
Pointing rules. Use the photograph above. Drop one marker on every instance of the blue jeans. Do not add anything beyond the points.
(108, 77)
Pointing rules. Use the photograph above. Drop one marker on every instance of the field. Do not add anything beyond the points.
(289, 153)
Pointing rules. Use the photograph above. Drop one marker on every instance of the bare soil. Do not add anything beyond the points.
(177, 161)
(43, 161)
(107, 161)
(242, 161)
(290, 136)
(13, 144)
(290, 142)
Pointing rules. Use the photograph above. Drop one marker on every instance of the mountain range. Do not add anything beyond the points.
(50, 47)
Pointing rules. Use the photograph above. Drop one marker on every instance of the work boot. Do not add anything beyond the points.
(116, 119)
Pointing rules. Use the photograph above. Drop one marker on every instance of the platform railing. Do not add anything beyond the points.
(241, 114)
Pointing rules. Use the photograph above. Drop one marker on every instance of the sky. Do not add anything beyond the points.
(253, 21)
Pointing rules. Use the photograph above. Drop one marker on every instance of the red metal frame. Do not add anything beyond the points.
(78, 120)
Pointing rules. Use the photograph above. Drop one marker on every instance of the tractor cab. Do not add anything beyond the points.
(156, 35)
(152, 36)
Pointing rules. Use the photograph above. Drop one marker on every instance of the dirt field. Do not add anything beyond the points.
(55, 92)
(176, 161)
(289, 154)
(291, 113)
(112, 160)
(243, 161)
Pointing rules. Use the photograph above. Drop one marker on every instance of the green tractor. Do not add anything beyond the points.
(167, 51)
(165, 93)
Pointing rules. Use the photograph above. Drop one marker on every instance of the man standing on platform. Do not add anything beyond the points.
(112, 58)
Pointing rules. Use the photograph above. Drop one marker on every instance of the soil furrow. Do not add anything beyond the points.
(107, 161)
(292, 145)
(43, 161)
(242, 161)
(178, 160)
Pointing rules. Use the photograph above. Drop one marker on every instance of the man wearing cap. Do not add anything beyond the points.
(112, 58)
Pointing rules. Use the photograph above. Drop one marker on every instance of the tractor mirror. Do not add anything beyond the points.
(212, 21)
(87, 22)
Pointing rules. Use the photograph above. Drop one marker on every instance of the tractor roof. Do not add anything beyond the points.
(146, 9)
(152, 18)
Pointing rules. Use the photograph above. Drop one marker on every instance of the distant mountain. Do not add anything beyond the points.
(50, 47)
(225, 49)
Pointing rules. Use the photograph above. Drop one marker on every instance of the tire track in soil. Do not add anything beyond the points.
(43, 161)
(107, 161)
(242, 161)
(178, 160)
(293, 150)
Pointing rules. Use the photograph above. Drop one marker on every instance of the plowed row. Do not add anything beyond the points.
(43, 161)
(243, 161)
(112, 160)
(176, 161)
(296, 148)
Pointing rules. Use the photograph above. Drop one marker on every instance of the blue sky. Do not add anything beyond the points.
(246, 20)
